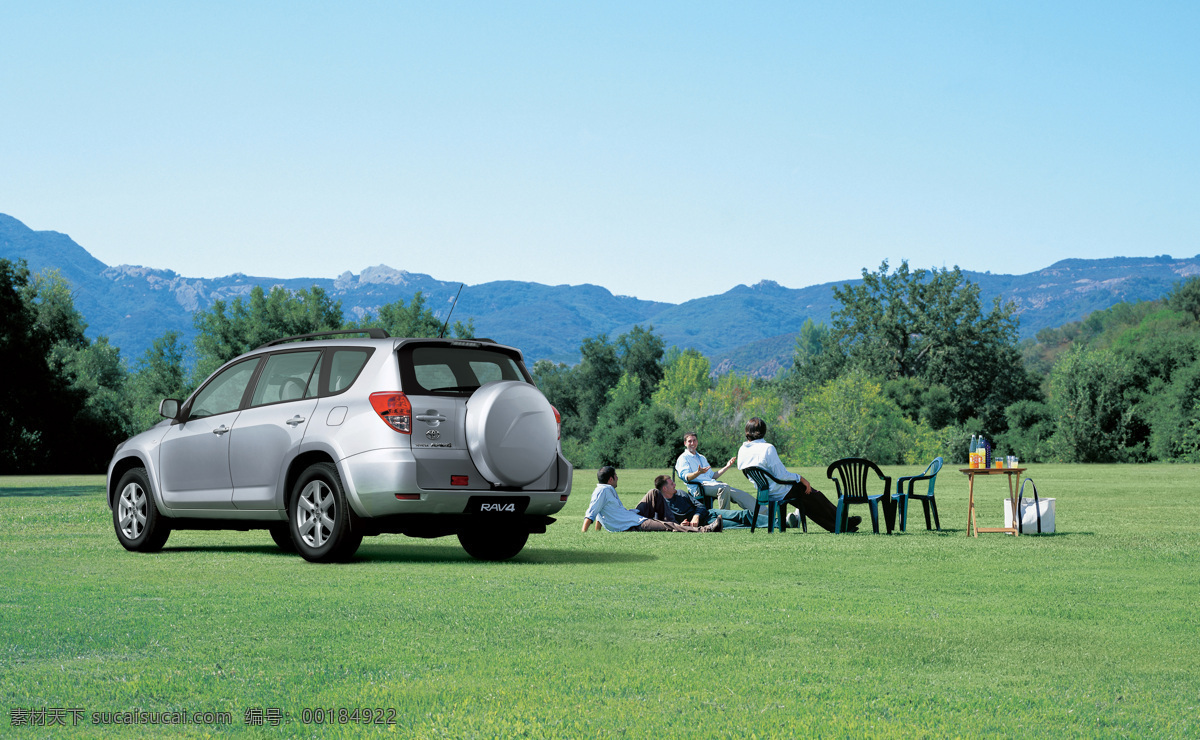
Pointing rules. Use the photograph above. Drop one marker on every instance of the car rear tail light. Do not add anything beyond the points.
(408, 496)
(557, 420)
(458, 480)
(395, 410)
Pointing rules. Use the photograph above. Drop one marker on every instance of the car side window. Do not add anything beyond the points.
(224, 392)
(285, 377)
(344, 367)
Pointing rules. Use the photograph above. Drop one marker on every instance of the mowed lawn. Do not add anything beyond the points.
(1092, 632)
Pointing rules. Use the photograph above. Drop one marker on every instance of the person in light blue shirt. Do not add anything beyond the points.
(694, 470)
(606, 510)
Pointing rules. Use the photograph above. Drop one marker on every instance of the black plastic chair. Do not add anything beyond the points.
(762, 480)
(851, 484)
(927, 501)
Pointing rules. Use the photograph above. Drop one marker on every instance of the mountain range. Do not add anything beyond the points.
(747, 328)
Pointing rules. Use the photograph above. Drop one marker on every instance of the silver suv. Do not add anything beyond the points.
(324, 442)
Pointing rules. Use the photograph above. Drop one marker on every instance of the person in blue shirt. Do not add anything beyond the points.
(681, 506)
(694, 470)
(606, 510)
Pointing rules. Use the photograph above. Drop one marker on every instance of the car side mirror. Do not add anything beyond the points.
(168, 408)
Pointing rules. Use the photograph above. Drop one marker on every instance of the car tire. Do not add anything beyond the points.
(282, 535)
(319, 519)
(139, 526)
(494, 545)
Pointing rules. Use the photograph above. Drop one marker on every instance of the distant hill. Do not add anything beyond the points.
(747, 328)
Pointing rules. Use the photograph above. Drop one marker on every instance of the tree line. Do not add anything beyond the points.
(910, 366)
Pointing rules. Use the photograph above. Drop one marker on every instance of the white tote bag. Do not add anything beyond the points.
(1037, 514)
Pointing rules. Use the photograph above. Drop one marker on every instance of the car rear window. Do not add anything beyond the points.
(455, 370)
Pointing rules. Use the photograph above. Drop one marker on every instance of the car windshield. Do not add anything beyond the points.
(455, 370)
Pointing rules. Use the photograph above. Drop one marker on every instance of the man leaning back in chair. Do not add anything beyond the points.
(757, 452)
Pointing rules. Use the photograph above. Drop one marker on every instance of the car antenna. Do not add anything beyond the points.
(442, 333)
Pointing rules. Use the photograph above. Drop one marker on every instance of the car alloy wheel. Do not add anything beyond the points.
(320, 520)
(131, 510)
(139, 526)
(315, 512)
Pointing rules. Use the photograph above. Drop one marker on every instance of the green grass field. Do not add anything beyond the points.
(1091, 632)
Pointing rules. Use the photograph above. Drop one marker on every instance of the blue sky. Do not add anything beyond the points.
(662, 150)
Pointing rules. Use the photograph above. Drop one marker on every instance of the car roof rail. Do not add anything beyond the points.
(373, 333)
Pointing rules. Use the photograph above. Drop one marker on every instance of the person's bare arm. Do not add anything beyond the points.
(728, 465)
(587, 523)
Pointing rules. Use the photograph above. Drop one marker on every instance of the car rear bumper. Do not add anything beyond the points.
(373, 479)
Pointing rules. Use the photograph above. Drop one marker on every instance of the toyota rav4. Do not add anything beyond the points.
(324, 441)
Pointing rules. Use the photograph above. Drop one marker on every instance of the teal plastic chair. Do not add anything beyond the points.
(693, 488)
(762, 480)
(849, 476)
(927, 500)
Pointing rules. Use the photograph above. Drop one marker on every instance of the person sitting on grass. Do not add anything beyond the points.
(694, 469)
(679, 505)
(757, 452)
(606, 509)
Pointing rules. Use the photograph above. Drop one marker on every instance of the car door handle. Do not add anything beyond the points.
(221, 430)
(427, 417)
(297, 419)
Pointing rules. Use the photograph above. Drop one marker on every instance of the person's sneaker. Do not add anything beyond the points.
(852, 525)
(793, 519)
(716, 526)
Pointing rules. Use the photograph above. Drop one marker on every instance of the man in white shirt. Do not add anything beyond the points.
(757, 452)
(607, 510)
(694, 470)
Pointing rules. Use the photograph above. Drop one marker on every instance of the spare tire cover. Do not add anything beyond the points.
(511, 432)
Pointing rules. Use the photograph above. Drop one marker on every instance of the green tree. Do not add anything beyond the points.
(1170, 412)
(225, 331)
(1189, 446)
(851, 417)
(931, 325)
(415, 319)
(30, 387)
(640, 352)
(685, 377)
(816, 359)
(61, 401)
(1185, 297)
(1030, 426)
(1094, 418)
(49, 296)
(630, 433)
(595, 375)
(932, 405)
(157, 375)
